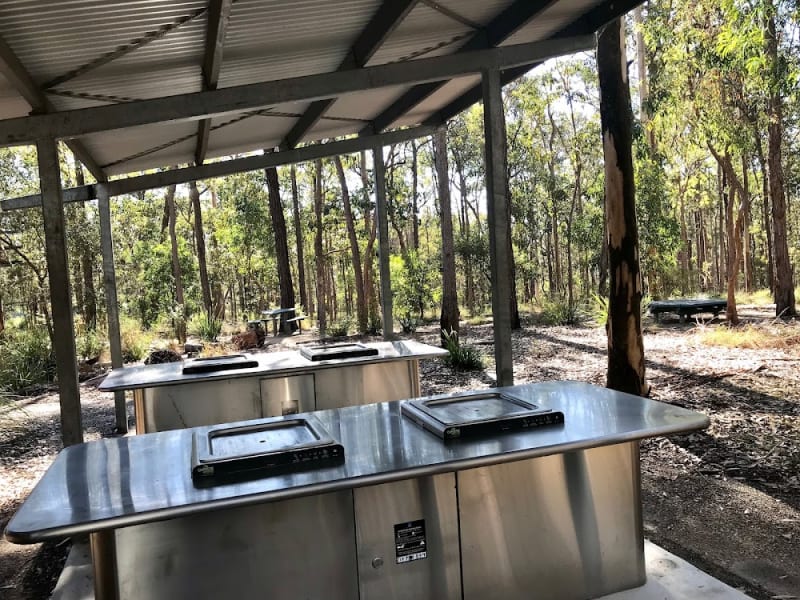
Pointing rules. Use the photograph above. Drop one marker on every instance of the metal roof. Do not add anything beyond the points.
(77, 54)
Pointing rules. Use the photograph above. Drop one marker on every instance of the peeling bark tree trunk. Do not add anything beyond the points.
(281, 247)
(414, 195)
(200, 244)
(784, 286)
(449, 318)
(355, 251)
(298, 236)
(624, 327)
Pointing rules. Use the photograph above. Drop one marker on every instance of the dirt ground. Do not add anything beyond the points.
(727, 499)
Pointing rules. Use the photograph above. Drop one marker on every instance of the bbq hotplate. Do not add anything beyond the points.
(470, 415)
(261, 448)
(336, 351)
(212, 364)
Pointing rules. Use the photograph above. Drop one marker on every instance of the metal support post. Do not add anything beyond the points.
(112, 306)
(499, 226)
(383, 242)
(60, 291)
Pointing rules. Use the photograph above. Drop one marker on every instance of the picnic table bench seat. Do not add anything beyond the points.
(687, 307)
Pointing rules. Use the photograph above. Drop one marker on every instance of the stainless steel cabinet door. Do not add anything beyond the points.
(407, 537)
(562, 527)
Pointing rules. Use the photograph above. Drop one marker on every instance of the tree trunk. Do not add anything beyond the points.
(684, 254)
(732, 266)
(766, 221)
(281, 247)
(449, 318)
(784, 285)
(355, 252)
(626, 369)
(319, 258)
(200, 243)
(179, 316)
(87, 260)
(414, 195)
(298, 236)
(370, 226)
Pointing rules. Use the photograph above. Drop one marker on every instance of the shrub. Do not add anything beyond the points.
(598, 309)
(26, 359)
(559, 312)
(89, 344)
(341, 327)
(135, 342)
(461, 357)
(408, 323)
(205, 326)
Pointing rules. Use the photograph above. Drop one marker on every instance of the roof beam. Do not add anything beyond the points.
(219, 12)
(247, 97)
(591, 21)
(496, 32)
(390, 14)
(18, 76)
(130, 185)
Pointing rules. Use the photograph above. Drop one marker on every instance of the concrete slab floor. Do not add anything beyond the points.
(668, 578)
(672, 578)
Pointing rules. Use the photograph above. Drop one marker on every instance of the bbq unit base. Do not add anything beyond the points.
(560, 527)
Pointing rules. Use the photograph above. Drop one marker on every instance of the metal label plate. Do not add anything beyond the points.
(409, 541)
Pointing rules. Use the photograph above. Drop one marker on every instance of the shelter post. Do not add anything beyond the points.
(494, 126)
(60, 291)
(382, 215)
(112, 306)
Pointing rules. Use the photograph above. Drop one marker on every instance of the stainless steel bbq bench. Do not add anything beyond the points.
(250, 386)
(521, 492)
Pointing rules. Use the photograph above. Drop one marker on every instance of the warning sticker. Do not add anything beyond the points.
(409, 541)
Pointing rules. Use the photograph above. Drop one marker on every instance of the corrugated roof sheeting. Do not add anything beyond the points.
(365, 105)
(52, 37)
(179, 154)
(477, 11)
(551, 20)
(110, 147)
(424, 32)
(289, 38)
(330, 129)
(266, 40)
(440, 98)
(239, 133)
(138, 84)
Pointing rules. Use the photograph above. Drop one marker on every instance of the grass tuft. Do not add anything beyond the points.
(461, 357)
(750, 336)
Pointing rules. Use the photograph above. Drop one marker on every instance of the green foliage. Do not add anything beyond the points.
(408, 322)
(89, 344)
(341, 328)
(26, 359)
(135, 342)
(559, 312)
(205, 326)
(412, 284)
(461, 357)
(598, 309)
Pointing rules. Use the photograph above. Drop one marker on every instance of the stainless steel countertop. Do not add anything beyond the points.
(272, 364)
(126, 481)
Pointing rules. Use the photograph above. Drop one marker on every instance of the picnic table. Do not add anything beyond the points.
(276, 314)
(687, 307)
